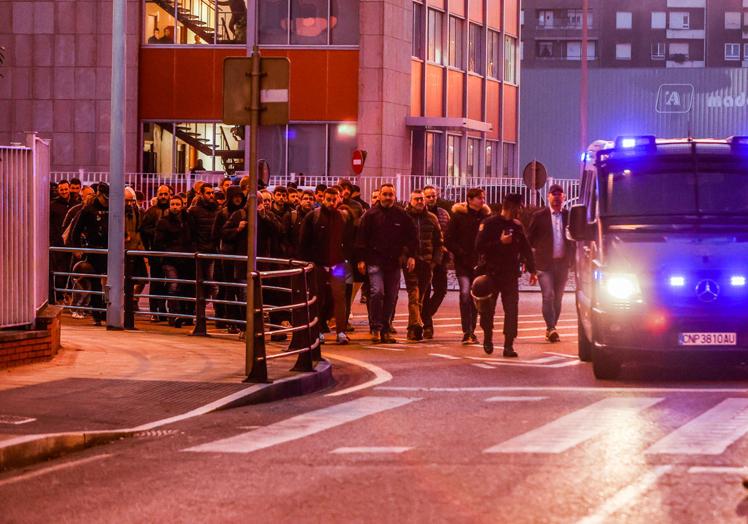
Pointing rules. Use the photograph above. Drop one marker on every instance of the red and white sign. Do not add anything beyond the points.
(357, 162)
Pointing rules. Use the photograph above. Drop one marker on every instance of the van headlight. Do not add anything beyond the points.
(621, 286)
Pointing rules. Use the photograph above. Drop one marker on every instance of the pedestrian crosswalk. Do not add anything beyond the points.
(710, 431)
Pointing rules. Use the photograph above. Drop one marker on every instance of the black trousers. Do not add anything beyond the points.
(508, 288)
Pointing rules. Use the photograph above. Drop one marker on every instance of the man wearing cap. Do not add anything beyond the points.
(553, 256)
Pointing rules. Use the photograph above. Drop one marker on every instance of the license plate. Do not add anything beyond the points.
(708, 339)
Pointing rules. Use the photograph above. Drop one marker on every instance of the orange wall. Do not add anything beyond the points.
(493, 15)
(510, 113)
(434, 90)
(454, 95)
(436, 3)
(492, 108)
(415, 87)
(457, 8)
(476, 12)
(475, 97)
(512, 22)
(187, 84)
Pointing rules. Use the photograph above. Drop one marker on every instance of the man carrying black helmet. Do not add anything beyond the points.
(503, 248)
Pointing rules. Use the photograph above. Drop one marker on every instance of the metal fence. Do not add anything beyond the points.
(451, 188)
(24, 231)
(184, 295)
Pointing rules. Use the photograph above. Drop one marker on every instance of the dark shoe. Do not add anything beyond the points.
(178, 323)
(393, 330)
(552, 336)
(232, 330)
(465, 339)
(374, 337)
(349, 328)
(428, 333)
(278, 337)
(510, 353)
(415, 333)
(387, 338)
(488, 347)
(472, 339)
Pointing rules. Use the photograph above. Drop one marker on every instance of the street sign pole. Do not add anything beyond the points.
(254, 109)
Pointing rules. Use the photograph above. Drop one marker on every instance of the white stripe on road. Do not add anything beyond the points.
(497, 322)
(541, 360)
(560, 329)
(710, 433)
(448, 357)
(483, 366)
(562, 389)
(570, 430)
(626, 496)
(380, 375)
(52, 469)
(302, 426)
(371, 449)
(515, 399)
(719, 470)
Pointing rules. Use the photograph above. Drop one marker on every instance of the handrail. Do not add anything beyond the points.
(301, 303)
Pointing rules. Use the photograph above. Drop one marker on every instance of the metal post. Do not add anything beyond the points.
(254, 108)
(259, 366)
(129, 294)
(200, 328)
(301, 317)
(116, 257)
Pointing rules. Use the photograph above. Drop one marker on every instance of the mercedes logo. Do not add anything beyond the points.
(707, 290)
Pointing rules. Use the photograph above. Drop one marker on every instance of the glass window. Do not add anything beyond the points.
(307, 149)
(575, 17)
(309, 22)
(522, 18)
(678, 50)
(231, 19)
(545, 19)
(623, 20)
(433, 154)
(732, 20)
(623, 51)
(510, 59)
(344, 22)
(418, 30)
(342, 140)
(492, 158)
(658, 20)
(160, 25)
(574, 50)
(745, 51)
(456, 42)
(732, 51)
(493, 53)
(658, 50)
(545, 49)
(475, 49)
(509, 167)
(435, 21)
(195, 22)
(454, 152)
(473, 158)
(272, 148)
(679, 20)
(273, 22)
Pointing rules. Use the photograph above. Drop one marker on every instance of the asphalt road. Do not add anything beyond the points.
(453, 435)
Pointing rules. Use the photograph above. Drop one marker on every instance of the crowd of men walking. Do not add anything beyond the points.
(354, 245)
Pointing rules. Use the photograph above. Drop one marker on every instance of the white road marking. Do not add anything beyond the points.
(390, 349)
(570, 430)
(719, 470)
(515, 399)
(497, 323)
(372, 449)
(448, 357)
(626, 496)
(52, 469)
(565, 355)
(528, 363)
(380, 376)
(710, 433)
(541, 360)
(303, 425)
(561, 330)
(489, 389)
(483, 366)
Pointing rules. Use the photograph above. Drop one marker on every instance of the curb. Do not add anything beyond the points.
(28, 449)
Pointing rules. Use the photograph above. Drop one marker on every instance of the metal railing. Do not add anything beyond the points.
(195, 286)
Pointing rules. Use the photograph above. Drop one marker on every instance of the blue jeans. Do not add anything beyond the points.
(552, 285)
(384, 284)
(468, 313)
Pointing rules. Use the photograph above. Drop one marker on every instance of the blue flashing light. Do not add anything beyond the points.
(737, 281)
(677, 281)
(628, 143)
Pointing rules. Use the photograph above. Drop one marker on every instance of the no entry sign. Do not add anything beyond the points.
(357, 162)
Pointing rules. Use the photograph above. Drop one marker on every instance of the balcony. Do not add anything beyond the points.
(686, 34)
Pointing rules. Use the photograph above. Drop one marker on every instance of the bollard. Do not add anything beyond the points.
(300, 317)
(312, 291)
(200, 328)
(259, 371)
(129, 294)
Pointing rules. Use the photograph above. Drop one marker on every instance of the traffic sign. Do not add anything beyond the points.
(357, 161)
(274, 90)
(534, 175)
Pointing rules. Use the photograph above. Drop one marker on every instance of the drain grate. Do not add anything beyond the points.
(156, 433)
(15, 420)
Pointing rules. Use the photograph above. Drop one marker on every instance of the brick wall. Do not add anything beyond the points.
(18, 347)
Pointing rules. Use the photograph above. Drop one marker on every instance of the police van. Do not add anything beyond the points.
(661, 230)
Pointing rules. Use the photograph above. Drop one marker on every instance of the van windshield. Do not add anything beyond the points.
(636, 193)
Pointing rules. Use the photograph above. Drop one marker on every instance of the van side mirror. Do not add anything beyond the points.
(578, 228)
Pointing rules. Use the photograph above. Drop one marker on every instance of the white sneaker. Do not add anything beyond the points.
(321, 338)
(342, 339)
(78, 315)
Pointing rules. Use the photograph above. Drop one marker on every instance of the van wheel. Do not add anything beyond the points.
(584, 344)
(605, 367)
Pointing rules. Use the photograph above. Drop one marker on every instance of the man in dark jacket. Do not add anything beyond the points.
(503, 248)
(203, 216)
(292, 223)
(553, 256)
(386, 232)
(174, 234)
(151, 218)
(58, 209)
(437, 288)
(322, 241)
(234, 202)
(460, 240)
(428, 254)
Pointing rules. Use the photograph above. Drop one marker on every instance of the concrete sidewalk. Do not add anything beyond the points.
(105, 385)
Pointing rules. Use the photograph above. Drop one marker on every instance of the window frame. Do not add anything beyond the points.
(732, 58)
(685, 19)
(655, 20)
(493, 52)
(434, 36)
(456, 53)
(476, 54)
(328, 32)
(654, 56)
(623, 45)
(418, 46)
(624, 20)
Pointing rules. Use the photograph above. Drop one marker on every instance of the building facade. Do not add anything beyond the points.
(426, 87)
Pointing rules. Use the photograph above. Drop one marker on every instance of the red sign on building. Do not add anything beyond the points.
(357, 162)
